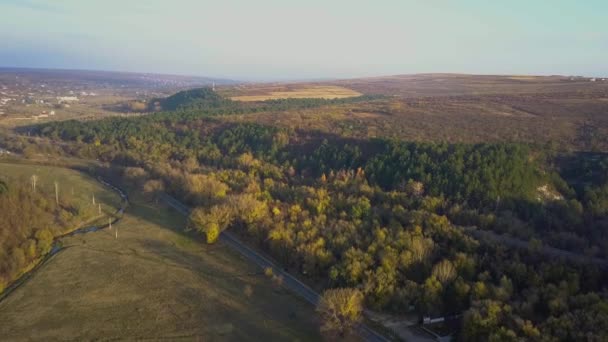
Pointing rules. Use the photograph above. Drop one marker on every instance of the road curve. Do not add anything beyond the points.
(289, 281)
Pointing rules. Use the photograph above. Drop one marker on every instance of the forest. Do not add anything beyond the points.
(204, 101)
(385, 216)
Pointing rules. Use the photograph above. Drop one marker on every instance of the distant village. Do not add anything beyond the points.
(47, 98)
(590, 79)
(33, 95)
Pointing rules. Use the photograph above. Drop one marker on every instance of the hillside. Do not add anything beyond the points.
(193, 99)
(430, 85)
(39, 204)
(152, 281)
(543, 110)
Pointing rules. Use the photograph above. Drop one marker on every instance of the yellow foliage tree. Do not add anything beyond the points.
(248, 208)
(444, 271)
(212, 221)
(340, 310)
(204, 189)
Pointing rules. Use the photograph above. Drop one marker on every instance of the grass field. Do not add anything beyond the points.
(77, 185)
(295, 92)
(152, 282)
(90, 108)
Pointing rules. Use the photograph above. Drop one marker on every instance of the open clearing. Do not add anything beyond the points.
(23, 115)
(153, 282)
(275, 93)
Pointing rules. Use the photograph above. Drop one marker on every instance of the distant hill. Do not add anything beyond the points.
(431, 85)
(198, 98)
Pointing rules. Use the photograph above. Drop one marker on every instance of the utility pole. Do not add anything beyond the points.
(34, 180)
(110, 222)
(93, 199)
(99, 208)
(56, 193)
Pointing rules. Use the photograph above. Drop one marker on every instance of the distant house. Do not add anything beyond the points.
(592, 80)
(64, 99)
(52, 112)
(429, 320)
(425, 320)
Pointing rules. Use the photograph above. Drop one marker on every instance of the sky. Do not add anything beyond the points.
(307, 39)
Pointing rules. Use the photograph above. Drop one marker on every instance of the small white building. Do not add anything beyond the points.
(63, 99)
(592, 80)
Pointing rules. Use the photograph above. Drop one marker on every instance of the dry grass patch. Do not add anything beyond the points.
(319, 92)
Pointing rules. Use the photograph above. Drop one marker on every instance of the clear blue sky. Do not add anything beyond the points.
(289, 39)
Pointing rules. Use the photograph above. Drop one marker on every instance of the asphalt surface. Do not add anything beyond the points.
(289, 281)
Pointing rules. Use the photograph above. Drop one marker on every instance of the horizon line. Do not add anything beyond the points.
(283, 80)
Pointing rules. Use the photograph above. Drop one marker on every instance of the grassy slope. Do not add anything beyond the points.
(70, 181)
(83, 187)
(152, 282)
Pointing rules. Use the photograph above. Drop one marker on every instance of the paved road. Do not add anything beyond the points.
(289, 281)
(549, 251)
